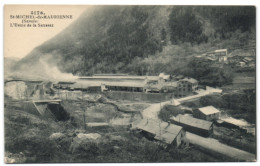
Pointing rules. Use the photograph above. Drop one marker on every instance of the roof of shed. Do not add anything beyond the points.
(88, 84)
(162, 130)
(188, 120)
(208, 110)
(126, 84)
(221, 50)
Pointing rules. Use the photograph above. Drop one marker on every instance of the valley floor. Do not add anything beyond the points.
(29, 138)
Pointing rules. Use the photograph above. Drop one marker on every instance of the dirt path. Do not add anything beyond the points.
(152, 111)
(201, 93)
(216, 146)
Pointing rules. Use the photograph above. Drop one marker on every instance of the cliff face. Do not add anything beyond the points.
(106, 39)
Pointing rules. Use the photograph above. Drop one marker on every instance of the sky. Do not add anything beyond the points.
(19, 41)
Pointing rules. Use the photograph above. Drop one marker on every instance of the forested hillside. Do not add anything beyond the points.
(143, 40)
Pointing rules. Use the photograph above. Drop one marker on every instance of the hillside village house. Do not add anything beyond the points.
(207, 113)
(242, 64)
(220, 55)
(247, 62)
(166, 133)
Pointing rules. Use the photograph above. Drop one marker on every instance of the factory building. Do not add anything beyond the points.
(193, 125)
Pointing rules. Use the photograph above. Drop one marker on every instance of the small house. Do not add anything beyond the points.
(166, 133)
(220, 54)
(242, 64)
(187, 86)
(207, 113)
(248, 59)
(163, 77)
(193, 125)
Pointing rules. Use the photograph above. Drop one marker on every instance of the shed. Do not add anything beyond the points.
(166, 133)
(207, 113)
(164, 76)
(193, 125)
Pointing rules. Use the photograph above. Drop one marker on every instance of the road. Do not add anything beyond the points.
(201, 93)
(152, 111)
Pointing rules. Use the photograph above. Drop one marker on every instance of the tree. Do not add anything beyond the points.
(185, 27)
(163, 36)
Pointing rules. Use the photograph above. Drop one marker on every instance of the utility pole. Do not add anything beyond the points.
(59, 92)
(160, 105)
(160, 130)
(85, 127)
(81, 92)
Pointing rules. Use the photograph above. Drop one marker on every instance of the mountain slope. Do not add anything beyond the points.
(106, 39)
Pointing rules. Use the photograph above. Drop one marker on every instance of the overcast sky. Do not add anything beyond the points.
(20, 41)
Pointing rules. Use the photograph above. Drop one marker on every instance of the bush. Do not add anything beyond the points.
(214, 100)
(205, 72)
(168, 111)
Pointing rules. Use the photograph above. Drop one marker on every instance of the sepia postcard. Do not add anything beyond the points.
(129, 84)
